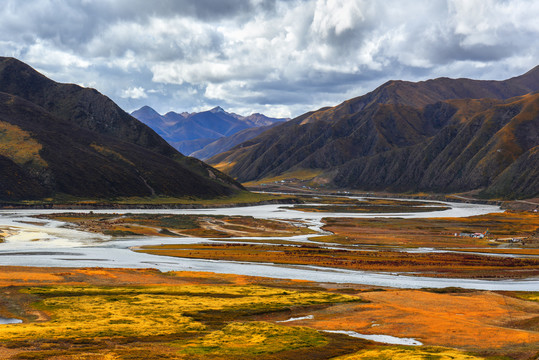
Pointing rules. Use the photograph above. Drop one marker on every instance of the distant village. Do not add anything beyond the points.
(476, 235)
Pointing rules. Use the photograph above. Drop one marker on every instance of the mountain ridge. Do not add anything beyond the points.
(63, 139)
(190, 132)
(84, 107)
(362, 137)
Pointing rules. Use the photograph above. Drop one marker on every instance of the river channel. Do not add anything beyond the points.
(48, 243)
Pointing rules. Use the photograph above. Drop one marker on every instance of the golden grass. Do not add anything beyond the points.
(190, 315)
(159, 322)
(89, 311)
(416, 353)
(224, 166)
(533, 252)
(37, 276)
(19, 146)
(113, 155)
(532, 296)
(239, 339)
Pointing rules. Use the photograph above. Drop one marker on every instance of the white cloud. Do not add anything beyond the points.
(334, 17)
(43, 53)
(284, 57)
(134, 93)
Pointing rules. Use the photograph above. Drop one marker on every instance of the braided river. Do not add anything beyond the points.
(40, 242)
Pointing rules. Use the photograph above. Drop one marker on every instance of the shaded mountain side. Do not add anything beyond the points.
(387, 131)
(219, 121)
(16, 184)
(491, 150)
(45, 155)
(83, 107)
(323, 145)
(518, 180)
(225, 143)
(191, 146)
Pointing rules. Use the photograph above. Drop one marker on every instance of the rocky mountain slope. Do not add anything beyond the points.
(64, 139)
(190, 132)
(408, 136)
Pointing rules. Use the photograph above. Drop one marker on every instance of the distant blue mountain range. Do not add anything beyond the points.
(205, 133)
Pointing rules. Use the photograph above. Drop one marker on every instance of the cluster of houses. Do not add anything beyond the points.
(476, 235)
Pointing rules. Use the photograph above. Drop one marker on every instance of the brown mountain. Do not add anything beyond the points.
(408, 136)
(64, 139)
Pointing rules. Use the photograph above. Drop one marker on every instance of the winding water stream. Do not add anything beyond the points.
(48, 243)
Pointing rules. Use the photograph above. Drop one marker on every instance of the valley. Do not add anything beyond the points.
(270, 281)
(385, 238)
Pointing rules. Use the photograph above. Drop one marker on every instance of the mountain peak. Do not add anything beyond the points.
(12, 61)
(145, 111)
(217, 109)
(175, 115)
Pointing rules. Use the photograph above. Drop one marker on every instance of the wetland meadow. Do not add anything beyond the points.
(325, 278)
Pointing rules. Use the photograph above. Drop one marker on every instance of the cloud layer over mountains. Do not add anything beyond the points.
(281, 58)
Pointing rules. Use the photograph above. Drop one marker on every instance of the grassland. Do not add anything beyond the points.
(367, 205)
(423, 264)
(178, 320)
(491, 324)
(144, 314)
(409, 354)
(152, 311)
(378, 244)
(241, 198)
(436, 232)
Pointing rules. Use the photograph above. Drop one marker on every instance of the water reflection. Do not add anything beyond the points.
(5, 321)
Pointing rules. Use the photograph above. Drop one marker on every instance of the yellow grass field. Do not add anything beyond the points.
(103, 314)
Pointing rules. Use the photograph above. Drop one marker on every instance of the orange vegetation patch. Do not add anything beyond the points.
(441, 264)
(435, 232)
(533, 252)
(224, 166)
(37, 276)
(472, 321)
(24, 276)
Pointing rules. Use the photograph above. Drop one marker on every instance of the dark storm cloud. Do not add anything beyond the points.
(279, 57)
(206, 10)
(72, 23)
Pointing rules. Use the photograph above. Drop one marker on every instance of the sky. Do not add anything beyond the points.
(277, 57)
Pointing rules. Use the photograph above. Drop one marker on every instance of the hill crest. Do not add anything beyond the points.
(374, 141)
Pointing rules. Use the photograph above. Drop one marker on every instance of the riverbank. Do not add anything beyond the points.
(101, 313)
(239, 200)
